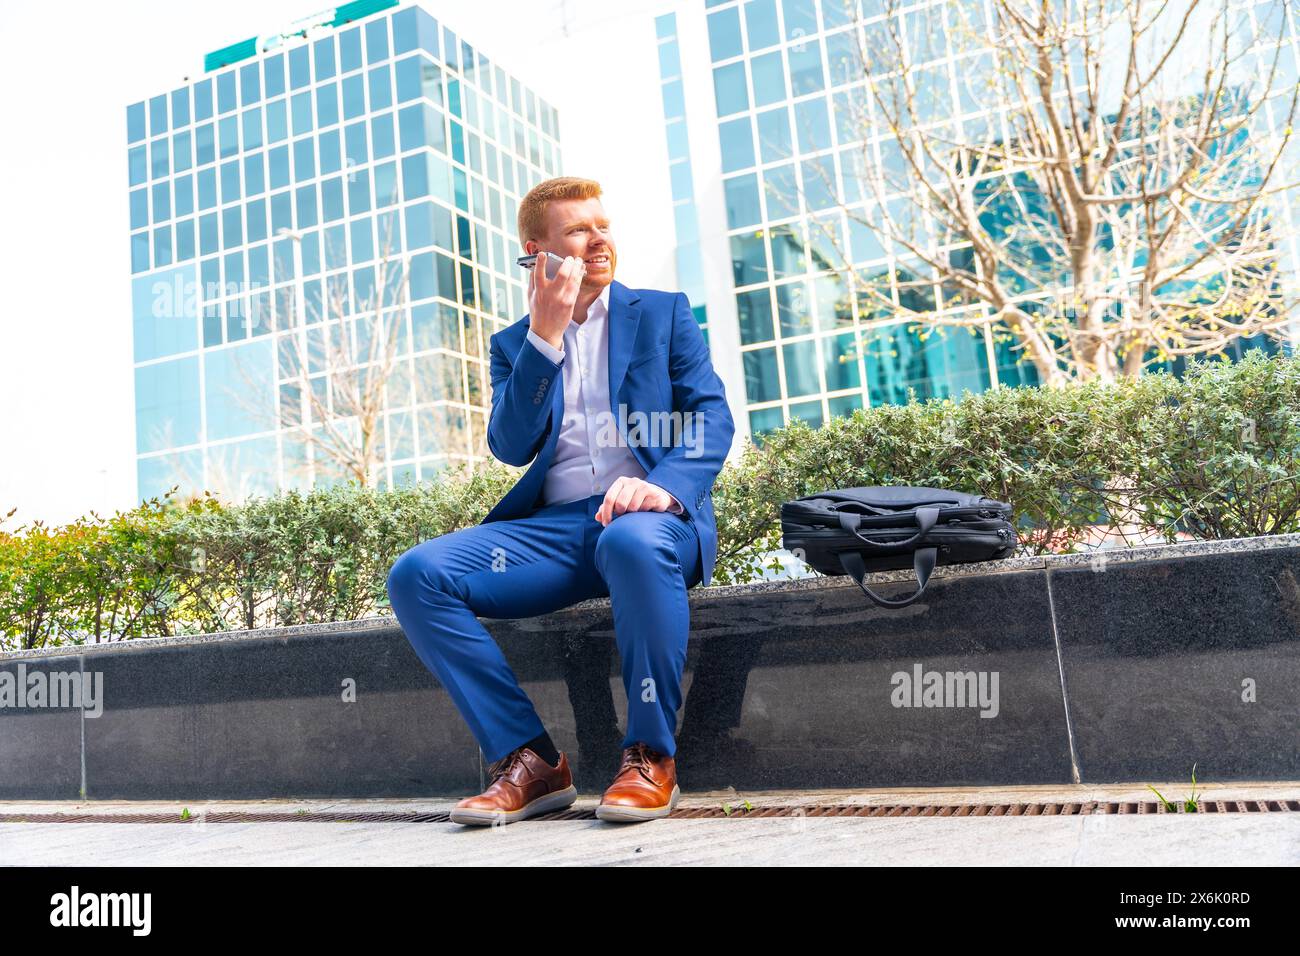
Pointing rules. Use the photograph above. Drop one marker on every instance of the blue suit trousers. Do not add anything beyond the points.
(644, 561)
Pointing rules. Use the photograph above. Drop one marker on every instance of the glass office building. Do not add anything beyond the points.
(306, 194)
(781, 85)
(686, 216)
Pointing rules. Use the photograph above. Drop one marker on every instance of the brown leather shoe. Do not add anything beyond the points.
(523, 785)
(645, 787)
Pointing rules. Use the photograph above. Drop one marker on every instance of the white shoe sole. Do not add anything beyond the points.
(558, 800)
(613, 813)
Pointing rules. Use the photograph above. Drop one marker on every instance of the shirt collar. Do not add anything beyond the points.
(599, 308)
(603, 299)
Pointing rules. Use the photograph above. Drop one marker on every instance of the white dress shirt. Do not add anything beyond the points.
(581, 466)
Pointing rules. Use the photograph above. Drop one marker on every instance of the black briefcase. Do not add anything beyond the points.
(856, 530)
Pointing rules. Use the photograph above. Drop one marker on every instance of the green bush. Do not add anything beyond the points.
(1213, 455)
(1226, 443)
(167, 568)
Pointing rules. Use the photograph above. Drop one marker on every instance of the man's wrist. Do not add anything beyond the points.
(674, 506)
(553, 352)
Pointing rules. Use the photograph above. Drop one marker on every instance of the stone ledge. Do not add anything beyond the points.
(698, 595)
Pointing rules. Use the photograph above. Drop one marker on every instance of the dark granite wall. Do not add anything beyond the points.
(1169, 656)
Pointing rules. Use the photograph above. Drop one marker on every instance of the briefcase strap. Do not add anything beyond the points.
(923, 563)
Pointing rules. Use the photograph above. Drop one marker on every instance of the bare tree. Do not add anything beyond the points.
(341, 369)
(340, 365)
(1113, 194)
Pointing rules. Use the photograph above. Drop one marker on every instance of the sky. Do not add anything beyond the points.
(67, 439)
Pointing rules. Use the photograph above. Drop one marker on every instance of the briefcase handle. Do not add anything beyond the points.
(925, 519)
(922, 564)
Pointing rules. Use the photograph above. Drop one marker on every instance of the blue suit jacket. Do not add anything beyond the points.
(658, 362)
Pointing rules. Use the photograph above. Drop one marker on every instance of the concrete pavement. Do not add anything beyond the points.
(1238, 839)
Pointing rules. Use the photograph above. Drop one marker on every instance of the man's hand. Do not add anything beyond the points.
(551, 301)
(632, 494)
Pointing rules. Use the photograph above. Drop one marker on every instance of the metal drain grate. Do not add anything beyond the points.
(692, 813)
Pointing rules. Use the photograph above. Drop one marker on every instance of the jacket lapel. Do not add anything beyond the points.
(624, 317)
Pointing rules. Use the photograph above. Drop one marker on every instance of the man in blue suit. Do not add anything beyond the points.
(612, 395)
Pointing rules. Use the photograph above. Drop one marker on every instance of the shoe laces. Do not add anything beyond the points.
(503, 766)
(638, 756)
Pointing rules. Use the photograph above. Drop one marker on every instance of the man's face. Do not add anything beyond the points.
(579, 227)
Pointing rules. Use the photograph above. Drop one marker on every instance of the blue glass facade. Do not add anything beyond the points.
(793, 121)
(690, 271)
(813, 344)
(275, 201)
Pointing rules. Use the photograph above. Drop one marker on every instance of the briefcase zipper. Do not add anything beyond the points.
(884, 521)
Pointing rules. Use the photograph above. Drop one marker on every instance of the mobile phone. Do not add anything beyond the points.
(553, 263)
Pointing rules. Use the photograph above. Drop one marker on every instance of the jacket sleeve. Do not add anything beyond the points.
(688, 470)
(521, 401)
